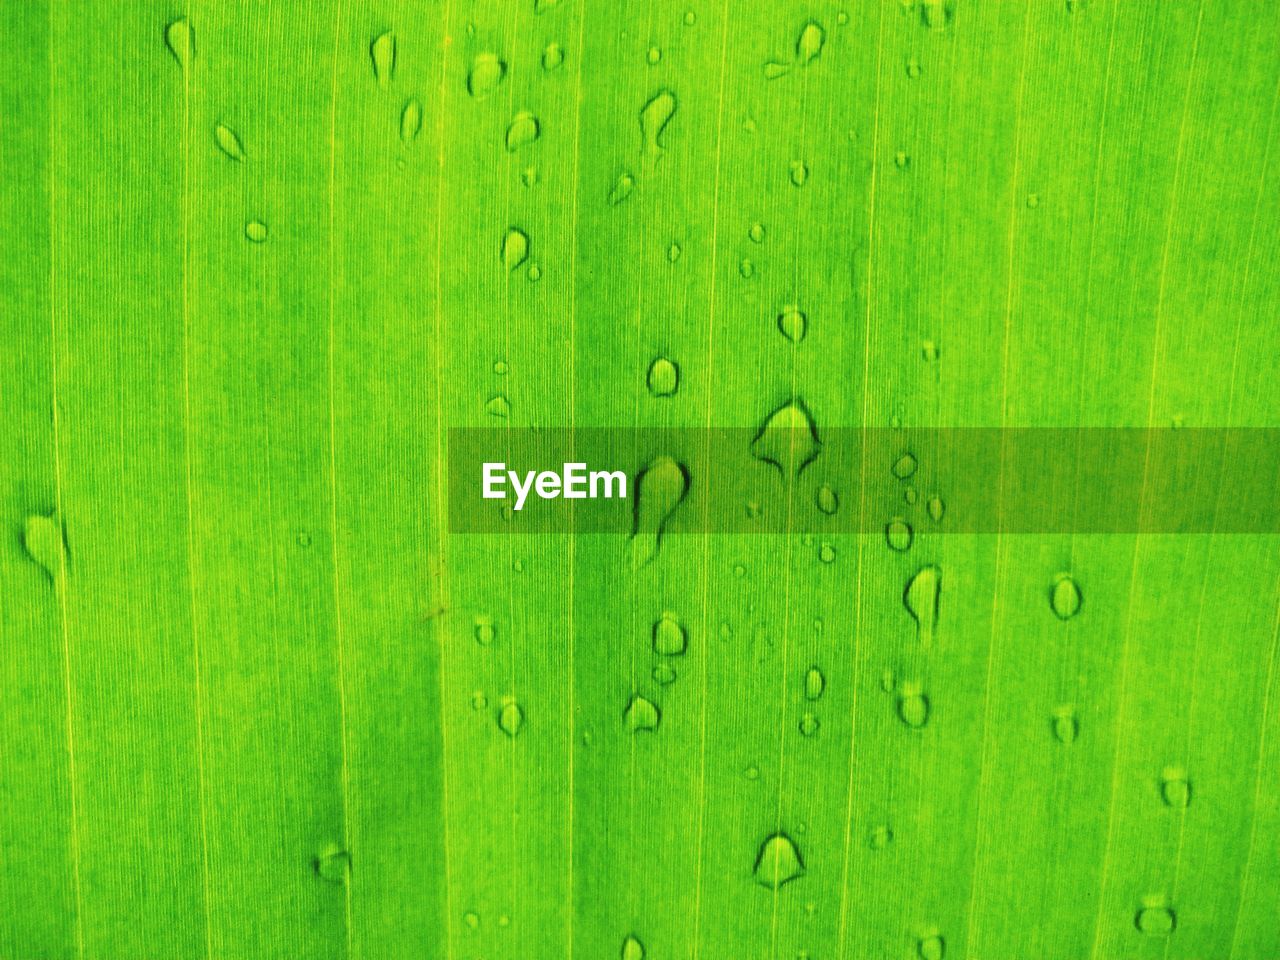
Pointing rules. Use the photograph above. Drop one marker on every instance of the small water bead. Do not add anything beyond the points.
(534, 273)
(799, 172)
(670, 639)
(778, 862)
(1065, 598)
(1155, 919)
(793, 324)
(45, 543)
(487, 71)
(485, 631)
(333, 864)
(664, 377)
(901, 160)
(746, 269)
(654, 56)
(929, 350)
(931, 946)
(752, 773)
(632, 948)
(888, 680)
(913, 706)
(411, 120)
(500, 368)
(517, 566)
(552, 57)
(479, 701)
(511, 718)
(504, 921)
(524, 129)
(673, 253)
(471, 919)
(256, 231)
(827, 553)
(756, 233)
(382, 51)
(936, 14)
(181, 41)
(304, 539)
(910, 496)
(529, 176)
(229, 142)
(641, 715)
(1175, 789)
(622, 188)
(809, 725)
(1033, 200)
(739, 571)
(937, 509)
(498, 406)
(905, 466)
(827, 500)
(814, 684)
(880, 837)
(664, 673)
(1065, 725)
(913, 68)
(690, 18)
(898, 534)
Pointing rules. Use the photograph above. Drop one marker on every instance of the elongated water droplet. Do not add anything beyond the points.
(904, 466)
(664, 377)
(788, 439)
(931, 946)
(655, 116)
(333, 864)
(487, 71)
(622, 188)
(660, 488)
(799, 172)
(778, 862)
(383, 54)
(922, 598)
(669, 636)
(809, 45)
(181, 40)
(515, 248)
(814, 684)
(773, 69)
(632, 948)
(827, 500)
(1065, 725)
(410, 120)
(510, 718)
(256, 231)
(1155, 918)
(1175, 789)
(937, 509)
(228, 142)
(641, 715)
(898, 534)
(913, 706)
(43, 539)
(793, 324)
(552, 57)
(1065, 597)
(524, 130)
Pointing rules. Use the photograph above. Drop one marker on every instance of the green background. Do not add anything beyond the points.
(257, 711)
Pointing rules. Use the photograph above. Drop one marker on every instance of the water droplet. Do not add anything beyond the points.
(487, 71)
(799, 173)
(500, 368)
(937, 509)
(913, 68)
(809, 46)
(1175, 789)
(910, 496)
(670, 639)
(774, 69)
(654, 118)
(653, 56)
(809, 725)
(690, 18)
(913, 706)
(383, 53)
(43, 539)
(814, 684)
(632, 948)
(1065, 597)
(788, 439)
(641, 714)
(778, 862)
(929, 350)
(515, 248)
(1155, 919)
(901, 160)
(497, 406)
(524, 130)
(746, 269)
(552, 57)
(256, 231)
(904, 466)
(931, 946)
(333, 864)
(485, 631)
(471, 919)
(827, 500)
(517, 565)
(673, 252)
(922, 598)
(304, 539)
(756, 233)
(935, 14)
(410, 120)
(663, 378)
(664, 673)
(827, 553)
(752, 773)
(1033, 200)
(529, 176)
(181, 40)
(659, 490)
(1065, 725)
(510, 718)
(739, 571)
(880, 837)
(622, 188)
(793, 324)
(535, 273)
(897, 533)
(479, 701)
(228, 142)
(887, 680)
